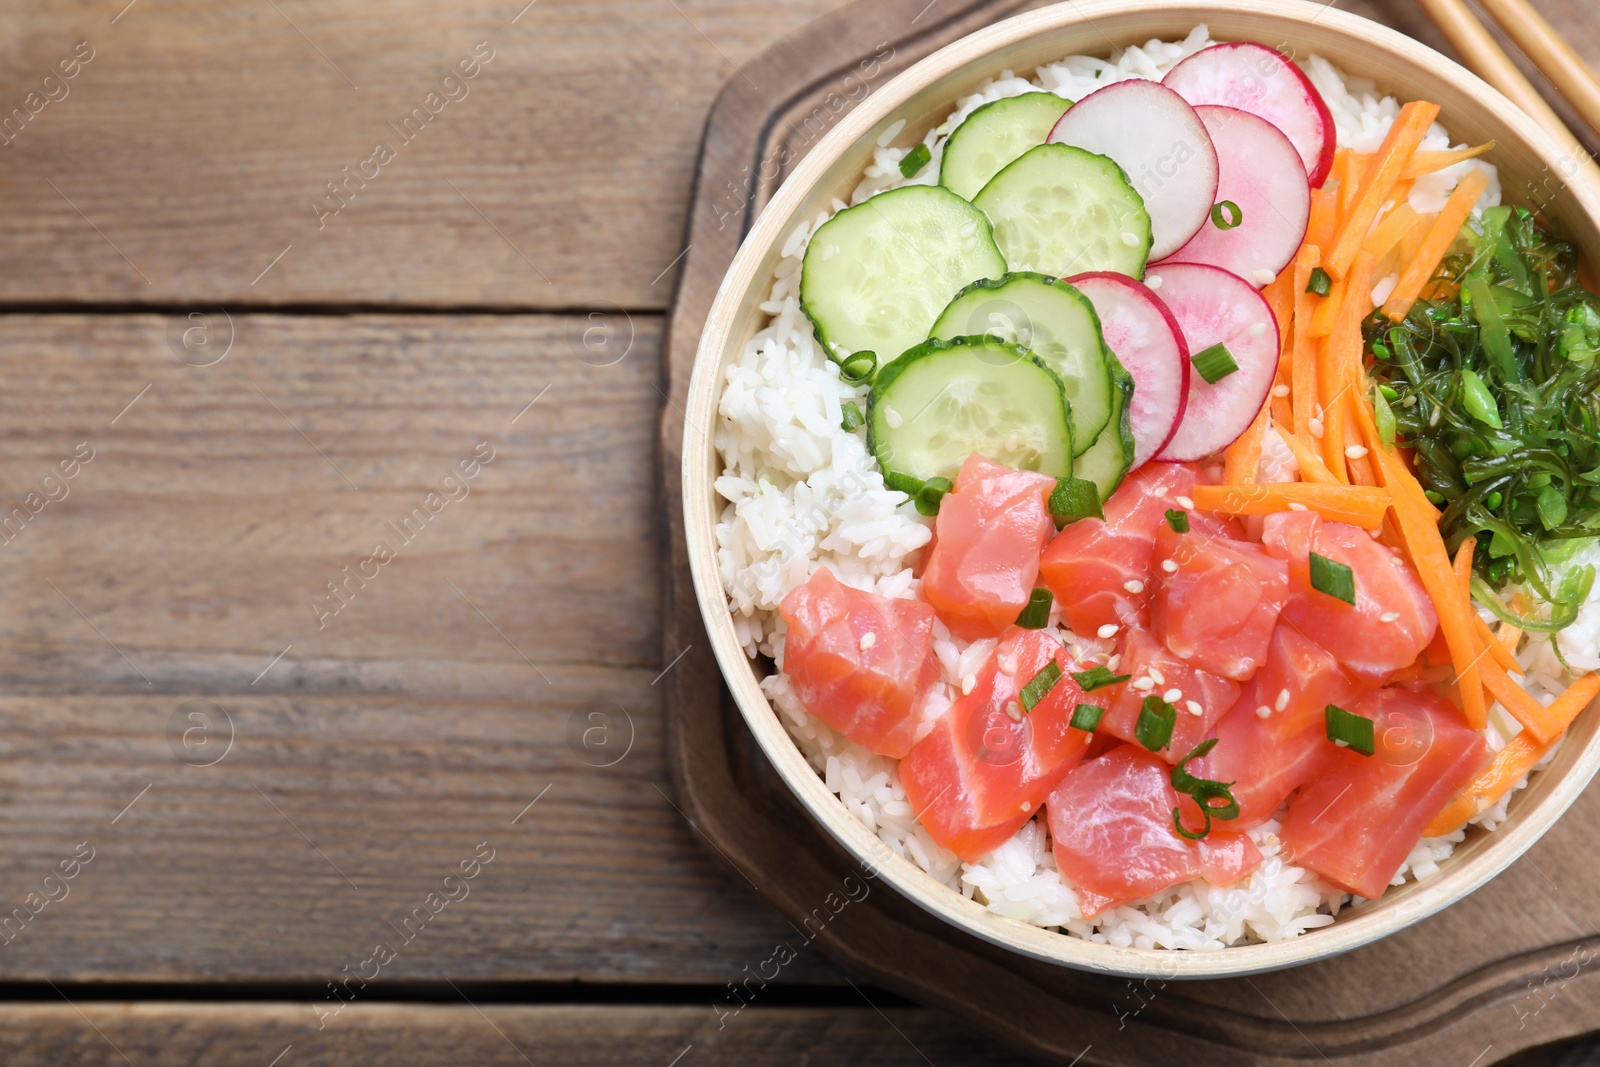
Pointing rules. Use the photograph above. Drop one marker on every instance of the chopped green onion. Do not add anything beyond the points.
(1226, 215)
(1178, 520)
(1215, 363)
(1204, 791)
(1086, 717)
(852, 416)
(1074, 499)
(1040, 685)
(1321, 284)
(1153, 729)
(932, 492)
(1478, 401)
(1349, 730)
(903, 483)
(1383, 415)
(1334, 578)
(857, 367)
(1036, 616)
(1097, 678)
(915, 160)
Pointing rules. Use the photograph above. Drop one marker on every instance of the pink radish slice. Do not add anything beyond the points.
(1264, 82)
(1160, 143)
(1262, 176)
(1147, 340)
(1212, 307)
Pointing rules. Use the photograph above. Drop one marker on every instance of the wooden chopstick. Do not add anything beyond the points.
(1484, 56)
(1553, 56)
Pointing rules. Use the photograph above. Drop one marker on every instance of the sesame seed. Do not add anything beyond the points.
(1283, 699)
(1109, 630)
(892, 417)
(1114, 662)
(1295, 505)
(1130, 239)
(1184, 502)
(1027, 805)
(1014, 710)
(1170, 566)
(1144, 685)
(1133, 585)
(1263, 277)
(868, 640)
(1158, 677)
(1172, 696)
(1316, 428)
(1389, 616)
(1160, 490)
(1355, 451)
(1263, 711)
(1257, 329)
(968, 683)
(1193, 707)
(1280, 391)
(1341, 742)
(1153, 282)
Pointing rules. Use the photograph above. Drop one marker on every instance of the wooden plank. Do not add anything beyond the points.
(455, 686)
(186, 153)
(251, 1034)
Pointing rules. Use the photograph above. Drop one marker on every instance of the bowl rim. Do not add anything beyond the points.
(1360, 925)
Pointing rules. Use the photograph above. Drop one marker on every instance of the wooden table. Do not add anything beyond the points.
(331, 619)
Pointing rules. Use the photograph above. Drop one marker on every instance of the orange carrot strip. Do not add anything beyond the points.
(1426, 162)
(1502, 655)
(1387, 233)
(1241, 459)
(1508, 637)
(1440, 236)
(1361, 506)
(1341, 364)
(1312, 469)
(1324, 216)
(1418, 524)
(1303, 373)
(1355, 166)
(1361, 472)
(1327, 309)
(1534, 716)
(1382, 174)
(1468, 678)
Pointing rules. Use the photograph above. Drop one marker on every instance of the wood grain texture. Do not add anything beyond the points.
(453, 687)
(186, 153)
(251, 1034)
(1507, 969)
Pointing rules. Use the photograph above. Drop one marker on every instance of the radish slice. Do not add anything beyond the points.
(1212, 307)
(1160, 143)
(1262, 176)
(1264, 82)
(1144, 336)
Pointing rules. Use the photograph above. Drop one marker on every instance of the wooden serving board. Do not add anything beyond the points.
(1507, 969)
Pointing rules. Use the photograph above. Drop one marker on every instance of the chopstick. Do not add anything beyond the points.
(1483, 54)
(1553, 56)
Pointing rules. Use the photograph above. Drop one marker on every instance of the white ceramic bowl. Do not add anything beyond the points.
(1533, 168)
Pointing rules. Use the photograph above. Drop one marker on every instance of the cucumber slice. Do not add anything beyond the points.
(944, 400)
(993, 136)
(877, 275)
(1052, 320)
(1106, 462)
(1061, 210)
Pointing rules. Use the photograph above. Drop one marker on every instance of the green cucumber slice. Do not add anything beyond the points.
(1052, 320)
(1061, 210)
(1105, 463)
(877, 275)
(944, 400)
(993, 136)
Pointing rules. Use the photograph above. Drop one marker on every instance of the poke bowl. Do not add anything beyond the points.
(1142, 477)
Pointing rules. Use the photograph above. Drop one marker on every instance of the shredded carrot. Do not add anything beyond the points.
(1384, 236)
(1467, 678)
(1534, 716)
(1355, 166)
(1361, 506)
(1502, 655)
(1421, 265)
(1360, 467)
(1508, 637)
(1324, 216)
(1242, 458)
(1427, 162)
(1327, 309)
(1418, 523)
(1341, 372)
(1378, 184)
(1312, 469)
(1303, 373)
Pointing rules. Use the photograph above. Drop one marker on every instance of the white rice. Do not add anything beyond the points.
(802, 494)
